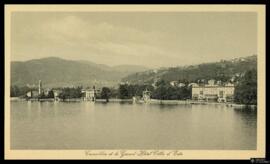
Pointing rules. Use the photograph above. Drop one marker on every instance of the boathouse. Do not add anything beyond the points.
(146, 95)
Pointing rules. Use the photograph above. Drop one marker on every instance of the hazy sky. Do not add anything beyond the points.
(153, 39)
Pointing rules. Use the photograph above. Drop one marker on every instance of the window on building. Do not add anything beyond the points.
(201, 92)
(221, 93)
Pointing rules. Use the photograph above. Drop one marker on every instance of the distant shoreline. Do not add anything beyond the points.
(152, 101)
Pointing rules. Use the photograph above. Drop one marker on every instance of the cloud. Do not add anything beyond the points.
(99, 38)
(72, 35)
(74, 31)
(150, 40)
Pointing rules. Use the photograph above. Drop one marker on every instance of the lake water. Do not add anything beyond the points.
(87, 125)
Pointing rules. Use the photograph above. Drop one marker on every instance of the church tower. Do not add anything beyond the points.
(39, 87)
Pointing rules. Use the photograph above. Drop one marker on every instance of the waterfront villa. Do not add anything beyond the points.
(212, 92)
(32, 94)
(90, 94)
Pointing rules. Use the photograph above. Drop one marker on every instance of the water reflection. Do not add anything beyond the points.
(247, 115)
(113, 125)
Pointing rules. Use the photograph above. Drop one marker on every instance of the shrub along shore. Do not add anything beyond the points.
(151, 101)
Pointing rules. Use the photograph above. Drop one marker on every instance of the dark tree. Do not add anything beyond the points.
(16, 91)
(161, 83)
(246, 90)
(41, 96)
(160, 93)
(123, 91)
(105, 93)
(62, 96)
(114, 93)
(50, 94)
(68, 93)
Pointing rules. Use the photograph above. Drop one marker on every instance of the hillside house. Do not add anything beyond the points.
(174, 83)
(181, 85)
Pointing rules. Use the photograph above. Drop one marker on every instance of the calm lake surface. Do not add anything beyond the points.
(87, 125)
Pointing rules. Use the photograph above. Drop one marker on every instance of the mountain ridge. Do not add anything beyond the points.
(57, 72)
(222, 70)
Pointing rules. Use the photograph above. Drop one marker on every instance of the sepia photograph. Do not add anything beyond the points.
(134, 81)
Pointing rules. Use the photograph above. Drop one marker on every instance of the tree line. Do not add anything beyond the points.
(162, 91)
(220, 71)
(245, 91)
